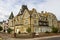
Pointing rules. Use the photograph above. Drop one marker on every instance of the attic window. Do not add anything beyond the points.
(34, 15)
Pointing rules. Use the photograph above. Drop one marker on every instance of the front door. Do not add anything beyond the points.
(36, 30)
(17, 30)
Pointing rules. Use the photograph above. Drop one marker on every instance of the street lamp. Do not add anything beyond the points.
(30, 20)
(14, 29)
(13, 25)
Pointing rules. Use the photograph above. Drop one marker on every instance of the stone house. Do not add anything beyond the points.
(38, 22)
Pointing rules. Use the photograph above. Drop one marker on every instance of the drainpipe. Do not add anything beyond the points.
(14, 29)
(30, 20)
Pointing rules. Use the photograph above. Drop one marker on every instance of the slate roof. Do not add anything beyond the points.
(11, 16)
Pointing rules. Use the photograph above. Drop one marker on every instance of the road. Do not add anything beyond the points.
(55, 38)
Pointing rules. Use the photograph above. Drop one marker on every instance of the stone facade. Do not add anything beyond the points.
(38, 22)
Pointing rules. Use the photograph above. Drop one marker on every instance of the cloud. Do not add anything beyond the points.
(6, 6)
(50, 6)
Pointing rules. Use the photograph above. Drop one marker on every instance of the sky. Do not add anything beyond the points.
(8, 6)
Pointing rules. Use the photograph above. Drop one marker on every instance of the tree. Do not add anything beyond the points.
(47, 32)
(9, 30)
(54, 29)
(1, 28)
(28, 30)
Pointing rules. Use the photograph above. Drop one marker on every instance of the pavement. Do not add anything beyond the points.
(48, 37)
(40, 38)
(7, 37)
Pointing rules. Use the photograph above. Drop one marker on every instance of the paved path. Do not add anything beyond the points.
(48, 38)
(41, 38)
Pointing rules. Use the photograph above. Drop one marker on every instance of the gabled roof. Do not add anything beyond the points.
(11, 15)
(23, 8)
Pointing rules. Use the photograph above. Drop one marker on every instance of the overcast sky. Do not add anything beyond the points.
(6, 6)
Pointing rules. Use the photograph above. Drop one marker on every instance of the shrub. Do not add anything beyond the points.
(54, 29)
(9, 30)
(19, 32)
(47, 32)
(1, 28)
(28, 30)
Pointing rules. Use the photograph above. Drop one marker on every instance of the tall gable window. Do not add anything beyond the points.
(35, 21)
(26, 21)
(34, 15)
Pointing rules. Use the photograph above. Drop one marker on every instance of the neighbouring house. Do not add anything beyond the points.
(4, 25)
(59, 25)
(47, 21)
(38, 22)
(1, 24)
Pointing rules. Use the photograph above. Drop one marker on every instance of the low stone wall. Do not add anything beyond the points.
(23, 36)
(33, 36)
(48, 34)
